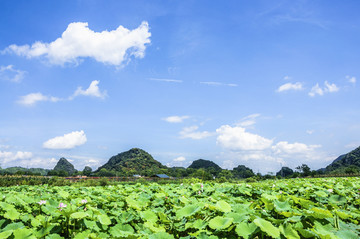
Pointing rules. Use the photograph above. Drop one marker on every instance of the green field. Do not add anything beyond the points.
(293, 208)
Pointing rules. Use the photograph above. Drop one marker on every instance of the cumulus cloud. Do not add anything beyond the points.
(331, 87)
(179, 159)
(192, 133)
(285, 148)
(78, 41)
(328, 88)
(290, 86)
(176, 119)
(67, 141)
(351, 79)
(9, 73)
(7, 157)
(33, 98)
(93, 91)
(236, 138)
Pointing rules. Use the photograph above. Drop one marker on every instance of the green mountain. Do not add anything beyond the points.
(346, 163)
(24, 171)
(242, 171)
(204, 164)
(64, 165)
(134, 161)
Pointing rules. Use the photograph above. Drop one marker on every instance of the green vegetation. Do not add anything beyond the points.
(345, 164)
(64, 166)
(24, 171)
(291, 208)
(134, 161)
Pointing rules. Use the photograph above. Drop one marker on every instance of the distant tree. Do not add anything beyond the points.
(202, 174)
(304, 170)
(227, 174)
(285, 172)
(87, 171)
(242, 171)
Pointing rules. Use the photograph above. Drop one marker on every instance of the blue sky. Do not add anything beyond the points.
(259, 83)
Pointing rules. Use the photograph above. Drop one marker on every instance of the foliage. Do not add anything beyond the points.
(242, 171)
(285, 172)
(293, 208)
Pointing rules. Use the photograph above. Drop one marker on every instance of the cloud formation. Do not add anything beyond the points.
(166, 80)
(33, 98)
(9, 73)
(93, 91)
(176, 119)
(7, 157)
(351, 79)
(179, 159)
(290, 86)
(248, 121)
(328, 88)
(236, 138)
(67, 141)
(78, 41)
(192, 133)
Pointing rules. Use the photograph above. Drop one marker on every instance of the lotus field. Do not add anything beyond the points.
(293, 208)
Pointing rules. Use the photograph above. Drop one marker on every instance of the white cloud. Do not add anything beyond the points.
(192, 133)
(176, 119)
(215, 83)
(78, 41)
(4, 146)
(317, 90)
(33, 98)
(290, 86)
(351, 79)
(93, 91)
(235, 138)
(67, 141)
(287, 77)
(248, 120)
(309, 131)
(11, 74)
(166, 80)
(7, 157)
(286, 148)
(179, 159)
(331, 87)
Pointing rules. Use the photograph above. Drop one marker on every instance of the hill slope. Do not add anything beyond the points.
(205, 164)
(345, 162)
(135, 160)
(64, 165)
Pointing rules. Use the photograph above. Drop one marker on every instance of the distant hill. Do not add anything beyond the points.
(204, 164)
(30, 171)
(135, 160)
(242, 171)
(346, 163)
(64, 165)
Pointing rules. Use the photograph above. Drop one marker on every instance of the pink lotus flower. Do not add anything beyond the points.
(83, 201)
(42, 202)
(62, 205)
